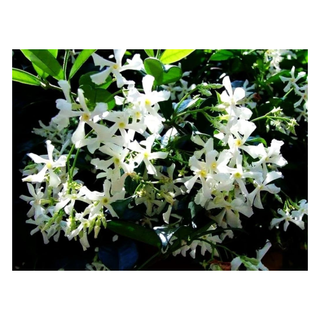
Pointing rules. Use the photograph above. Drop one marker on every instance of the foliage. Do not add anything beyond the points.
(147, 156)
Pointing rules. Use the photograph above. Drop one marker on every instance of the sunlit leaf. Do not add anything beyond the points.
(45, 61)
(155, 68)
(171, 74)
(174, 55)
(83, 56)
(39, 71)
(25, 77)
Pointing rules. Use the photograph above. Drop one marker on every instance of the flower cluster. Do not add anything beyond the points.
(147, 157)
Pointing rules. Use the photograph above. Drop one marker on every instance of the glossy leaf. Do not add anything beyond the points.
(165, 233)
(95, 95)
(174, 55)
(135, 232)
(155, 68)
(83, 56)
(171, 74)
(39, 71)
(25, 77)
(45, 61)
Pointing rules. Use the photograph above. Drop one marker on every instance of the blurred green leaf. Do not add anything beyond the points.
(257, 140)
(221, 55)
(25, 77)
(83, 56)
(174, 55)
(149, 52)
(45, 61)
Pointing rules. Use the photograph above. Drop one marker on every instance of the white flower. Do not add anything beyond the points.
(270, 155)
(146, 154)
(49, 165)
(292, 81)
(302, 210)
(122, 122)
(230, 210)
(184, 88)
(231, 97)
(240, 174)
(241, 131)
(286, 217)
(88, 117)
(251, 263)
(115, 67)
(146, 104)
(36, 209)
(263, 185)
(172, 89)
(118, 156)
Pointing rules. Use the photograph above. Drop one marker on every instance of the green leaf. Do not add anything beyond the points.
(95, 95)
(135, 232)
(25, 77)
(221, 55)
(45, 61)
(149, 52)
(276, 77)
(171, 74)
(85, 79)
(155, 68)
(256, 140)
(83, 56)
(39, 71)
(165, 233)
(174, 55)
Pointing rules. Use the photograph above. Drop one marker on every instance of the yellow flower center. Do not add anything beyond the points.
(203, 173)
(105, 201)
(122, 125)
(49, 165)
(138, 114)
(85, 117)
(237, 175)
